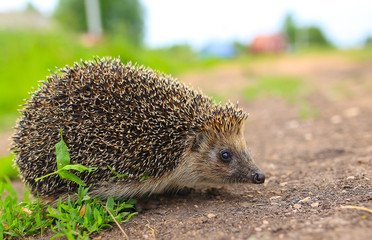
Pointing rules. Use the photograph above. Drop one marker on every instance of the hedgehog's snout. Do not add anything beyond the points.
(258, 177)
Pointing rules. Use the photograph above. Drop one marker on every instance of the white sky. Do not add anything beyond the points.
(197, 22)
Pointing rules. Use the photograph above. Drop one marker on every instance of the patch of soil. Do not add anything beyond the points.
(313, 167)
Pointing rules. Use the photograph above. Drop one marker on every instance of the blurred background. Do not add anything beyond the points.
(192, 40)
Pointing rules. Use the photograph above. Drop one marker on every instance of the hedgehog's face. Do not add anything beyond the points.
(225, 158)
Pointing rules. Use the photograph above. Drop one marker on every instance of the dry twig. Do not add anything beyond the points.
(121, 229)
(359, 208)
(151, 230)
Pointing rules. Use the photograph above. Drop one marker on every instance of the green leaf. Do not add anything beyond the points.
(97, 216)
(130, 215)
(7, 186)
(78, 167)
(85, 198)
(126, 205)
(63, 165)
(37, 179)
(110, 203)
(53, 213)
(144, 177)
(116, 173)
(57, 236)
(63, 156)
(88, 212)
(71, 177)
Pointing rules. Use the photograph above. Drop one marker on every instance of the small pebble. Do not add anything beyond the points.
(350, 178)
(274, 198)
(305, 200)
(336, 119)
(314, 205)
(292, 124)
(297, 206)
(258, 229)
(283, 184)
(211, 215)
(245, 204)
(308, 137)
(351, 112)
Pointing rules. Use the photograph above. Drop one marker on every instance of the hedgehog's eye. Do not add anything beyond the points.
(225, 156)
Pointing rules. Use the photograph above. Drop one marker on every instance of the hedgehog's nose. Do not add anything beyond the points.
(258, 177)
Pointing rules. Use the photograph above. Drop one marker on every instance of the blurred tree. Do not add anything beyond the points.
(119, 17)
(368, 41)
(71, 14)
(240, 47)
(31, 8)
(316, 37)
(300, 37)
(289, 29)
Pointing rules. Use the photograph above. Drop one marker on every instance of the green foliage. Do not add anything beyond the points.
(359, 55)
(119, 17)
(71, 14)
(125, 18)
(308, 36)
(291, 89)
(63, 165)
(71, 219)
(144, 177)
(173, 59)
(289, 29)
(316, 37)
(26, 58)
(307, 111)
(117, 174)
(30, 7)
(19, 220)
(368, 41)
(240, 48)
(6, 167)
(285, 87)
(85, 216)
(62, 154)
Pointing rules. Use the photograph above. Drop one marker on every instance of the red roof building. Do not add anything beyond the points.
(269, 44)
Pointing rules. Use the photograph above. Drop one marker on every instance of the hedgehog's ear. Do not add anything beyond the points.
(197, 142)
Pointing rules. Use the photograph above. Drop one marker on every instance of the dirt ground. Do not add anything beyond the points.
(314, 166)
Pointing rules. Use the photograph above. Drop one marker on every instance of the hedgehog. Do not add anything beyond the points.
(132, 120)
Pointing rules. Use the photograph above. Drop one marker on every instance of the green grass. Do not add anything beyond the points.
(292, 89)
(358, 55)
(307, 111)
(71, 219)
(286, 87)
(20, 220)
(6, 167)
